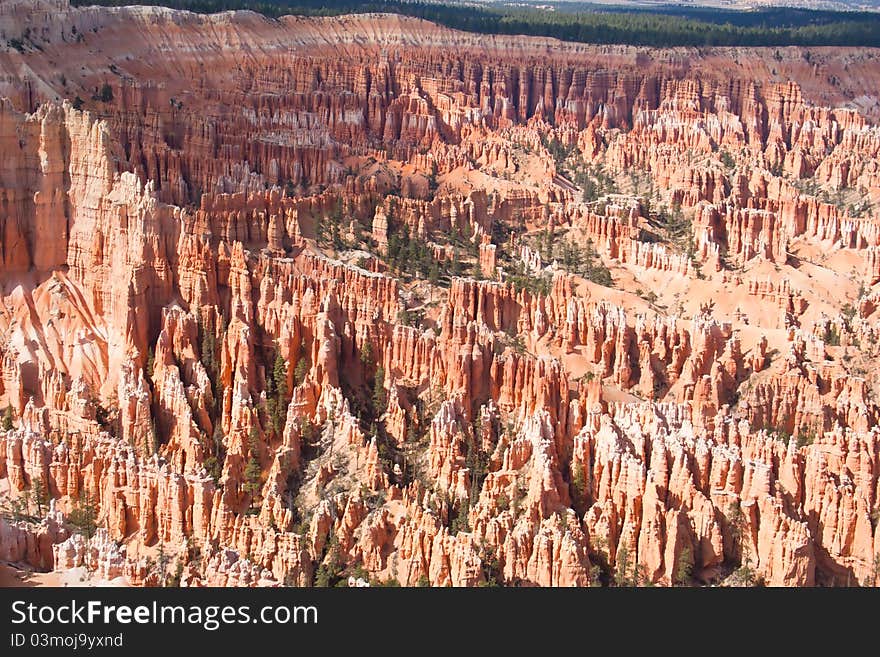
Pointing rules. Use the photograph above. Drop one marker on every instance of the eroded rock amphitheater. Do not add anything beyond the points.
(306, 301)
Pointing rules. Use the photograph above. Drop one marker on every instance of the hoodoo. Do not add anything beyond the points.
(288, 301)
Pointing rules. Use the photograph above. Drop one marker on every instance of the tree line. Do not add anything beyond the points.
(677, 27)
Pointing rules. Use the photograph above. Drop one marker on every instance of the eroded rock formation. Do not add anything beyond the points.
(447, 310)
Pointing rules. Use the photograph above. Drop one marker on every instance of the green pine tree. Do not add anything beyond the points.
(7, 419)
(84, 515)
(253, 471)
(579, 489)
(684, 568)
(40, 496)
(380, 401)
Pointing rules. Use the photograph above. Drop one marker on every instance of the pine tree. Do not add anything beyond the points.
(207, 348)
(174, 580)
(579, 488)
(7, 419)
(279, 374)
(545, 245)
(277, 384)
(301, 370)
(623, 565)
(434, 272)
(329, 573)
(151, 362)
(392, 251)
(380, 401)
(162, 560)
(491, 570)
(84, 515)
(743, 575)
(461, 522)
(455, 265)
(321, 230)
(475, 463)
(40, 495)
(106, 94)
(214, 463)
(253, 471)
(366, 356)
(218, 438)
(684, 568)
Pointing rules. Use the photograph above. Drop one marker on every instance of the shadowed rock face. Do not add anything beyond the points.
(292, 298)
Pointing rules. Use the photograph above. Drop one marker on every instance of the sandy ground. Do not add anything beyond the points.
(17, 576)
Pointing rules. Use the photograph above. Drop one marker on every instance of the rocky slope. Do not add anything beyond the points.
(290, 301)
